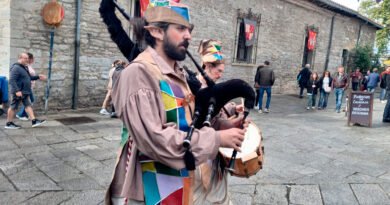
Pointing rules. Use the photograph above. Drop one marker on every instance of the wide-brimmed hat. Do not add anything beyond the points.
(210, 51)
(167, 11)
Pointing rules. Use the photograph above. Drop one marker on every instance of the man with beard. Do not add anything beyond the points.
(152, 98)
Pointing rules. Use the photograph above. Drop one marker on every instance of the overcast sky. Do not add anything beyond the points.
(353, 4)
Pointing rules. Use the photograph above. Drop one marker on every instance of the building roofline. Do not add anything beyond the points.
(333, 6)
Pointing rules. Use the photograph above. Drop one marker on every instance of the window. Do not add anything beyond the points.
(247, 33)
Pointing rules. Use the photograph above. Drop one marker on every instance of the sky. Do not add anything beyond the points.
(353, 4)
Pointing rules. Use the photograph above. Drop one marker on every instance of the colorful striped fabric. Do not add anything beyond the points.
(162, 184)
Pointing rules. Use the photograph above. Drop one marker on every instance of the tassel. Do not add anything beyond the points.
(189, 160)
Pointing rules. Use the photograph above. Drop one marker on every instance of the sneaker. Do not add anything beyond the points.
(338, 111)
(36, 122)
(256, 107)
(313, 108)
(319, 108)
(260, 111)
(113, 115)
(104, 112)
(383, 101)
(307, 108)
(266, 110)
(22, 118)
(12, 126)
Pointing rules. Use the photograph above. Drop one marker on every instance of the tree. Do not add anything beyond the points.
(379, 12)
(363, 57)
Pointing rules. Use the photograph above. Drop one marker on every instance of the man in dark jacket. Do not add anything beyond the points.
(386, 112)
(303, 77)
(265, 79)
(20, 89)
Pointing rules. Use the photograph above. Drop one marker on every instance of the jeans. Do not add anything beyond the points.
(261, 93)
(339, 93)
(257, 97)
(371, 90)
(311, 100)
(383, 94)
(301, 91)
(323, 101)
(355, 86)
(22, 112)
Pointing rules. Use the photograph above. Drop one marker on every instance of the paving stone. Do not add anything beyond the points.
(242, 199)
(270, 194)
(51, 139)
(100, 174)
(15, 165)
(14, 197)
(243, 189)
(5, 185)
(51, 197)
(25, 141)
(340, 194)
(32, 179)
(82, 129)
(370, 194)
(83, 183)
(7, 144)
(305, 194)
(42, 158)
(87, 197)
(96, 152)
(61, 172)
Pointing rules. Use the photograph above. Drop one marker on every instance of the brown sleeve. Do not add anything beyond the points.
(141, 109)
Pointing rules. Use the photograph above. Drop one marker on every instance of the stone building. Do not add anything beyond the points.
(281, 36)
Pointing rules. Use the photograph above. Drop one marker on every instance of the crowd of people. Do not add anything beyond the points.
(339, 83)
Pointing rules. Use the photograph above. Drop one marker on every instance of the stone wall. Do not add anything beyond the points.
(281, 41)
(5, 33)
(97, 51)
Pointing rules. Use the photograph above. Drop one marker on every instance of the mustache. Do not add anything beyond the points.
(185, 44)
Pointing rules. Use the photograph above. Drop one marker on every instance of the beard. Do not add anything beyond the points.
(174, 52)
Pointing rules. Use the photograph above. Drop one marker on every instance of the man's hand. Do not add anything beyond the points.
(239, 108)
(232, 138)
(19, 94)
(42, 77)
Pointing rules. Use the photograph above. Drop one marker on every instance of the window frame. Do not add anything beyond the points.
(239, 43)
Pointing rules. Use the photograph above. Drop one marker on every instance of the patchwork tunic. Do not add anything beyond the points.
(155, 104)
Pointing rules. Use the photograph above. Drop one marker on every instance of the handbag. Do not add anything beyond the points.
(327, 89)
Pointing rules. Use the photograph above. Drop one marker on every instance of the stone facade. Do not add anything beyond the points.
(281, 41)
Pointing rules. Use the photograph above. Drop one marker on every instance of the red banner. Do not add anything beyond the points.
(311, 42)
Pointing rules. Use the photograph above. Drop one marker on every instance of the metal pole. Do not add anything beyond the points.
(330, 43)
(47, 92)
(76, 58)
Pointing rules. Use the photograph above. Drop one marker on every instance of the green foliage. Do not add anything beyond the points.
(363, 57)
(380, 12)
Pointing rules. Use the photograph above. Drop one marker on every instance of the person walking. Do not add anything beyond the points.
(107, 99)
(312, 90)
(356, 78)
(339, 85)
(257, 86)
(266, 79)
(325, 89)
(386, 111)
(20, 83)
(373, 80)
(22, 114)
(382, 84)
(303, 77)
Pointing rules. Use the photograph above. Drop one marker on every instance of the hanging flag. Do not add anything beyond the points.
(249, 32)
(311, 42)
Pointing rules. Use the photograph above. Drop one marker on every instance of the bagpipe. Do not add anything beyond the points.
(208, 101)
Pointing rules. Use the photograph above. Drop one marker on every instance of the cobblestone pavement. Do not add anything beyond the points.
(311, 157)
